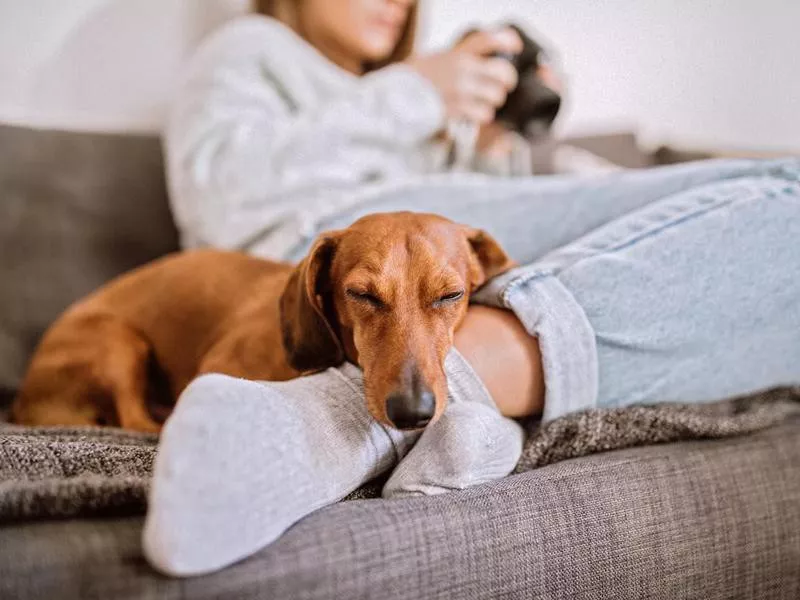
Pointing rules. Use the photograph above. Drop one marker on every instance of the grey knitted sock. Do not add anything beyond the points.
(239, 461)
(471, 444)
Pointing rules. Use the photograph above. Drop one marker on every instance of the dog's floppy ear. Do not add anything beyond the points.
(306, 308)
(487, 257)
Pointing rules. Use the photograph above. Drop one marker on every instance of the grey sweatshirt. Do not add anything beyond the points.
(267, 137)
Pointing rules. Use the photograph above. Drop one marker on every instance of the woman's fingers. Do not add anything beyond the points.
(495, 73)
(473, 83)
(508, 41)
(483, 84)
(486, 43)
(498, 70)
(482, 88)
(475, 111)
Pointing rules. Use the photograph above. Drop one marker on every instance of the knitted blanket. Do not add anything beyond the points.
(93, 471)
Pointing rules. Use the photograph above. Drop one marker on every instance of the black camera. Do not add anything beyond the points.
(532, 106)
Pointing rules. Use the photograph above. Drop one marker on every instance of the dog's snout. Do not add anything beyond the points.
(411, 409)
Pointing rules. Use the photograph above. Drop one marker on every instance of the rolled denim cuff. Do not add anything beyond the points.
(567, 341)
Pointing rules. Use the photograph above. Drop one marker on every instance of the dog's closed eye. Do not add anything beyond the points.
(365, 297)
(449, 298)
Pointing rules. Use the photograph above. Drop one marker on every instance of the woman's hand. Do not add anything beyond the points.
(472, 83)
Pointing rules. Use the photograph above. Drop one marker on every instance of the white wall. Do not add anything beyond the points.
(98, 64)
(721, 73)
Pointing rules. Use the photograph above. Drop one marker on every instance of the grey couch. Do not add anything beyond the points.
(700, 519)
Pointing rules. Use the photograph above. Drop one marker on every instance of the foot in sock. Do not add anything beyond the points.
(471, 444)
(239, 461)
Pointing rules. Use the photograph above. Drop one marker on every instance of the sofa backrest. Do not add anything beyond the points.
(76, 209)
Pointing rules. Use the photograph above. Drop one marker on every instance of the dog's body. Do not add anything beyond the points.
(157, 326)
(385, 293)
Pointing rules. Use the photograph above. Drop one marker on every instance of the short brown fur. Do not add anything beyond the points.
(210, 311)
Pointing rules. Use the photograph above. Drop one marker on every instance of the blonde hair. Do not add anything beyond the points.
(286, 11)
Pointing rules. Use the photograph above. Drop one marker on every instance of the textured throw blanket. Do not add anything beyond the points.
(60, 472)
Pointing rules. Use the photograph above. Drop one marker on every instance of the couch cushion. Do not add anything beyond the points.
(76, 210)
(54, 472)
(705, 519)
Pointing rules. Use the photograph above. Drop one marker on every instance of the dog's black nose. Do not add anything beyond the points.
(411, 410)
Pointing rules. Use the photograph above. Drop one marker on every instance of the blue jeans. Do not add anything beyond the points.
(679, 283)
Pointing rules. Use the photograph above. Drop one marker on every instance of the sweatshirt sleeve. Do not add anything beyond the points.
(248, 131)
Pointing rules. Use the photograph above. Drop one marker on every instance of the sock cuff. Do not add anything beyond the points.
(463, 382)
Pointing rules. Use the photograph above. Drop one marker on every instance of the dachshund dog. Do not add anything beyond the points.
(386, 293)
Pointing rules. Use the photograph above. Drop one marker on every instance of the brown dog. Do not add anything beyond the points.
(386, 293)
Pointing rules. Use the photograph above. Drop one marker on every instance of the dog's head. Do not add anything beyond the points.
(387, 293)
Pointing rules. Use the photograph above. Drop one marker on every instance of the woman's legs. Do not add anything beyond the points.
(692, 298)
(695, 297)
(535, 215)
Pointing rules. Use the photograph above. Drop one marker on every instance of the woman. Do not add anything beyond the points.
(677, 284)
